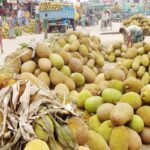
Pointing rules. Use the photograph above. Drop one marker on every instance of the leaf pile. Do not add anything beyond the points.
(19, 110)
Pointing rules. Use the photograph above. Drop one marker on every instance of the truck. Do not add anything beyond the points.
(59, 16)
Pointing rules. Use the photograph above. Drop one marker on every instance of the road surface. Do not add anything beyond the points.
(11, 45)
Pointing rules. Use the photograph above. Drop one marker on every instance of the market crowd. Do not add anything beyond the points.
(13, 19)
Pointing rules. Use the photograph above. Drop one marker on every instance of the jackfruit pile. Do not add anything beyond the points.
(137, 63)
(72, 61)
(18, 31)
(30, 28)
(49, 6)
(139, 20)
(112, 106)
(115, 51)
(4, 30)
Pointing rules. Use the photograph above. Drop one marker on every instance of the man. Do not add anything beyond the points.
(132, 34)
(20, 17)
(104, 19)
(11, 27)
(83, 20)
(27, 17)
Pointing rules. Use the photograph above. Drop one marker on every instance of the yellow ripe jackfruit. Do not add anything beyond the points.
(36, 145)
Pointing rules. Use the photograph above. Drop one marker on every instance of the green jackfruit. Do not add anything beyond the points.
(133, 99)
(136, 123)
(115, 73)
(145, 93)
(78, 79)
(83, 50)
(131, 53)
(141, 71)
(140, 50)
(111, 57)
(105, 130)
(100, 60)
(145, 135)
(96, 142)
(92, 103)
(110, 49)
(94, 123)
(75, 46)
(132, 84)
(116, 84)
(119, 139)
(104, 111)
(82, 97)
(121, 114)
(40, 127)
(147, 47)
(136, 63)
(145, 60)
(146, 78)
(36, 145)
(131, 73)
(66, 70)
(135, 142)
(56, 60)
(111, 95)
(128, 63)
(144, 113)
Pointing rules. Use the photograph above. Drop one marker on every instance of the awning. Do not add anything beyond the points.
(1, 2)
(11, 1)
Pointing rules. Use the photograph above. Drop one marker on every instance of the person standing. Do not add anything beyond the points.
(11, 27)
(83, 20)
(27, 16)
(109, 19)
(23, 17)
(20, 17)
(104, 19)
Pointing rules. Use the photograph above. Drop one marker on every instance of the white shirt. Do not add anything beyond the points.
(20, 14)
(105, 17)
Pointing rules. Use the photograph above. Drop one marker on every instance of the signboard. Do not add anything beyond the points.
(11, 1)
(107, 1)
(1, 3)
(133, 8)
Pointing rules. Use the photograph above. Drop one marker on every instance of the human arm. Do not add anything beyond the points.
(127, 39)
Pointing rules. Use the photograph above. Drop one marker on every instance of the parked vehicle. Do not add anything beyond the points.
(59, 18)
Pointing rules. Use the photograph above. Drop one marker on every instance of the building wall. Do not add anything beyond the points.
(130, 1)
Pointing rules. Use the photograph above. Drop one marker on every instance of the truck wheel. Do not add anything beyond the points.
(50, 30)
(63, 29)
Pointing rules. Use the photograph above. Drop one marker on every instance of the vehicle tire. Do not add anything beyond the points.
(50, 29)
(63, 29)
